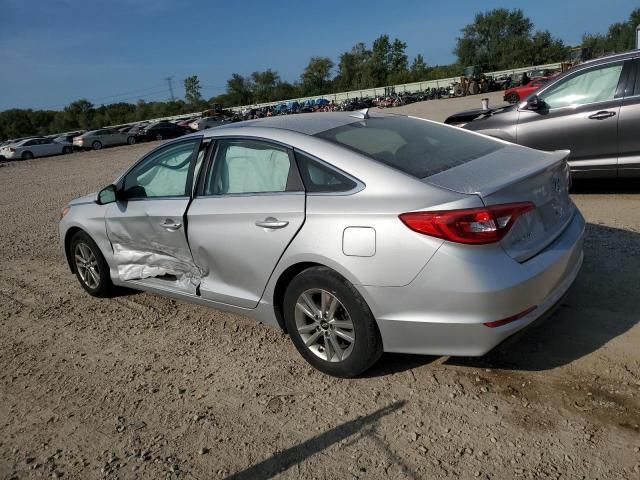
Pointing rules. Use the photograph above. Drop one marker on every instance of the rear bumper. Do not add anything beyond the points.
(443, 311)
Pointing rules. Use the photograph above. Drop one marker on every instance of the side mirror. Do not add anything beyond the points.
(534, 103)
(108, 194)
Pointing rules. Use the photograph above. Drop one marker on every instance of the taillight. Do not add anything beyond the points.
(470, 225)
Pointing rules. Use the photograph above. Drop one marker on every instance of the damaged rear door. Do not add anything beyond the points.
(250, 205)
(146, 226)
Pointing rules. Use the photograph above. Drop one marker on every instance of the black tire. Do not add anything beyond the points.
(131, 140)
(66, 150)
(105, 287)
(96, 145)
(159, 136)
(367, 345)
(27, 155)
(513, 98)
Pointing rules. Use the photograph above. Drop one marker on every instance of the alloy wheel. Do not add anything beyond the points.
(87, 265)
(324, 325)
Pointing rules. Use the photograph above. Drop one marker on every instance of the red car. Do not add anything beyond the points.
(516, 94)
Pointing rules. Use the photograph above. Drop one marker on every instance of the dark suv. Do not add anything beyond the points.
(593, 110)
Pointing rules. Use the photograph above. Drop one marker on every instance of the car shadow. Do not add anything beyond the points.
(286, 459)
(392, 363)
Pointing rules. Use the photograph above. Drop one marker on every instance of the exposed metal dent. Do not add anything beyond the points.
(145, 260)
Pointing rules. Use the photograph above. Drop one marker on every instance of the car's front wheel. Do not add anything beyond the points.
(90, 266)
(513, 98)
(131, 140)
(330, 323)
(96, 145)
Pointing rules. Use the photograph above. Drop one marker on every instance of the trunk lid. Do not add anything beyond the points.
(518, 174)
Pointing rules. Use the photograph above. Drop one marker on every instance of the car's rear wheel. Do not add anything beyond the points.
(91, 268)
(131, 140)
(159, 136)
(66, 150)
(27, 155)
(96, 145)
(513, 98)
(330, 323)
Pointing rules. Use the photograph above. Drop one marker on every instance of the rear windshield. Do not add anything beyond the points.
(413, 146)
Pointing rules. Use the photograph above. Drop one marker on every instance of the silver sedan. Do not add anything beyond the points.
(355, 233)
(105, 137)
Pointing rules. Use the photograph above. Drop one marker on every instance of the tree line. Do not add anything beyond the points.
(496, 40)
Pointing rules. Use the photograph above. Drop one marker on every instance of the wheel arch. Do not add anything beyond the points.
(68, 236)
(281, 287)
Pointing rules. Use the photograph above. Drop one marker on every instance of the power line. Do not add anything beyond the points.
(114, 96)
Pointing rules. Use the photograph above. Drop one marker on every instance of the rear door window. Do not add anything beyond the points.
(416, 147)
(248, 167)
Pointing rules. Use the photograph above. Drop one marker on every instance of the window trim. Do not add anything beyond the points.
(294, 172)
(359, 184)
(635, 80)
(579, 72)
(196, 148)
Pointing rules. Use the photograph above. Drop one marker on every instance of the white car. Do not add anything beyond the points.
(206, 122)
(34, 147)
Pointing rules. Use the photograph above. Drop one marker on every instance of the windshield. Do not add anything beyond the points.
(416, 147)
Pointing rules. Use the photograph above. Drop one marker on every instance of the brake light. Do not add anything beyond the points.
(470, 225)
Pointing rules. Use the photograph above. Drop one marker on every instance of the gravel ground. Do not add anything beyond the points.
(145, 387)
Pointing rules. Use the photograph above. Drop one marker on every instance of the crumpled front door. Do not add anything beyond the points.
(148, 239)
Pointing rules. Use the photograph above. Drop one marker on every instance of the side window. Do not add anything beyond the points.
(318, 177)
(596, 85)
(248, 167)
(164, 173)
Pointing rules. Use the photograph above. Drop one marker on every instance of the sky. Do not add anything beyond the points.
(53, 52)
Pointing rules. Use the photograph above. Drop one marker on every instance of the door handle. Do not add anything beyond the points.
(602, 115)
(272, 223)
(171, 225)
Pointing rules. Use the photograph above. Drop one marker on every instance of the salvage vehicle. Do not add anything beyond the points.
(105, 137)
(162, 131)
(67, 137)
(35, 147)
(356, 233)
(206, 122)
(593, 109)
(517, 94)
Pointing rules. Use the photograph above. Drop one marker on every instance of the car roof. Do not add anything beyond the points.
(307, 123)
(617, 56)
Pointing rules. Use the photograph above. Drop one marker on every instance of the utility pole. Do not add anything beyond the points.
(169, 81)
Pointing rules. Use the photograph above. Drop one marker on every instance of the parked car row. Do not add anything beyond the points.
(32, 147)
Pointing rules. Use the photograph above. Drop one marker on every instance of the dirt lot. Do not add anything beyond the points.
(145, 387)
